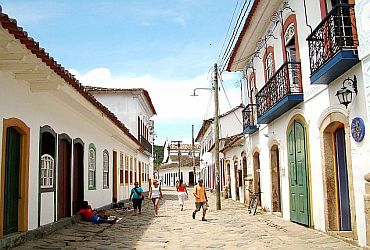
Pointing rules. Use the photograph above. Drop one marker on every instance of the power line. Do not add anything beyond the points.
(236, 31)
(227, 33)
(228, 101)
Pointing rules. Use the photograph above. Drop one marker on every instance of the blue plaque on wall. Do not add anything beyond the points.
(357, 129)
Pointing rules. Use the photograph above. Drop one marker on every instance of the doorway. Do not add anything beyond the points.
(236, 179)
(256, 176)
(78, 174)
(337, 184)
(275, 179)
(14, 176)
(12, 163)
(115, 173)
(64, 177)
(191, 179)
(298, 174)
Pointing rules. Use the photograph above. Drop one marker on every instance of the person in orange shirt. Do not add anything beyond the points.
(201, 199)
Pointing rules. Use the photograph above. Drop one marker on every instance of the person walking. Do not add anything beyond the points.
(137, 198)
(155, 193)
(182, 193)
(200, 199)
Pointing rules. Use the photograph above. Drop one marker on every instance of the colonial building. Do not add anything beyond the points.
(305, 113)
(59, 145)
(179, 157)
(230, 124)
(134, 107)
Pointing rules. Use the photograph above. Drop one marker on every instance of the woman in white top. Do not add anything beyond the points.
(155, 193)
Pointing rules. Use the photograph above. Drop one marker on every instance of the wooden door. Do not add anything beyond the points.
(78, 177)
(275, 179)
(191, 179)
(298, 179)
(11, 191)
(115, 179)
(64, 180)
(342, 179)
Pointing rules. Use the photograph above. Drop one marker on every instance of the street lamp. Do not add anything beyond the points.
(344, 94)
(216, 135)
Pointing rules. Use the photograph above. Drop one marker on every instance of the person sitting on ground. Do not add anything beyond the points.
(117, 205)
(89, 215)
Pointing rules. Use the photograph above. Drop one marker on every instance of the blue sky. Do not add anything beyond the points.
(166, 47)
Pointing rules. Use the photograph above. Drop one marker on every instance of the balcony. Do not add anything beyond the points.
(147, 145)
(281, 93)
(333, 45)
(250, 119)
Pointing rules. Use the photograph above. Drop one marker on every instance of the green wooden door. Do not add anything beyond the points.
(12, 164)
(299, 197)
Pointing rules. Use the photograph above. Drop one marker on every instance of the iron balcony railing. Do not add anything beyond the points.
(147, 145)
(249, 116)
(286, 81)
(336, 32)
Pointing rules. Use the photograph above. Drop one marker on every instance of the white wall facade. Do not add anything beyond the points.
(319, 102)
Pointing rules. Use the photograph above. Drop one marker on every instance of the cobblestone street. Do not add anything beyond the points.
(230, 228)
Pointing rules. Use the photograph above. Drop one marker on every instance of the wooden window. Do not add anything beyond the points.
(105, 169)
(92, 167)
(47, 171)
(143, 171)
(121, 168)
(126, 169)
(131, 169)
(135, 170)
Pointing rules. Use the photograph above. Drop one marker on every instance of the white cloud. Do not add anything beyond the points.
(171, 99)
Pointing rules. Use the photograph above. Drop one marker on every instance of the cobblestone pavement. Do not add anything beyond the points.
(230, 228)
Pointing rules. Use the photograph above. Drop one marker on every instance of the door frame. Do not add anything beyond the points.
(328, 125)
(24, 130)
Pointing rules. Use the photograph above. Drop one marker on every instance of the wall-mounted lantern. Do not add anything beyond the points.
(344, 94)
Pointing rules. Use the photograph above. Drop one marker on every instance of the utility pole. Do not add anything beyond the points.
(217, 144)
(192, 147)
(179, 156)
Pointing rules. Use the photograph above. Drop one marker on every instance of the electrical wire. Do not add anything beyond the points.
(228, 51)
(228, 30)
(227, 98)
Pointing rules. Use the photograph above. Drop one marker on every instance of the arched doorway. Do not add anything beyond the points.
(228, 179)
(245, 174)
(64, 176)
(298, 173)
(337, 184)
(14, 176)
(256, 176)
(236, 178)
(78, 174)
(275, 179)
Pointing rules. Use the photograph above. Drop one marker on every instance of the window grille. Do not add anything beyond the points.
(47, 171)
